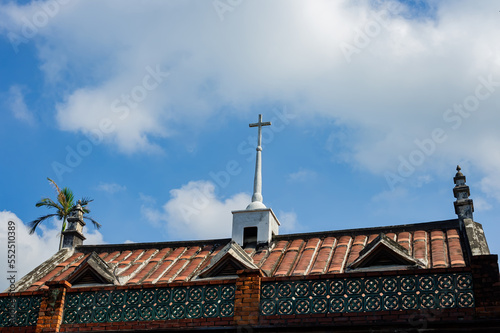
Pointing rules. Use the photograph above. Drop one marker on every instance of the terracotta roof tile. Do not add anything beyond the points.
(274, 257)
(259, 255)
(420, 246)
(143, 272)
(72, 259)
(132, 257)
(324, 255)
(51, 275)
(176, 265)
(404, 239)
(372, 237)
(296, 255)
(158, 271)
(189, 268)
(357, 245)
(160, 255)
(65, 274)
(391, 235)
(199, 258)
(291, 255)
(174, 270)
(111, 256)
(306, 257)
(146, 256)
(129, 269)
(438, 249)
(79, 261)
(455, 248)
(122, 256)
(339, 256)
(250, 251)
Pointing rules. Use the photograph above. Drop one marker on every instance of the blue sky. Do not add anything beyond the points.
(145, 106)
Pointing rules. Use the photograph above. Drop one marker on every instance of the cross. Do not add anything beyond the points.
(259, 125)
(257, 183)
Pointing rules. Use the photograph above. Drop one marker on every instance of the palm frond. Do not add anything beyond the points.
(47, 202)
(58, 190)
(61, 195)
(34, 224)
(96, 224)
(64, 205)
(85, 201)
(69, 198)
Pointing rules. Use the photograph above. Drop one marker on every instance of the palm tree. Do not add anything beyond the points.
(64, 206)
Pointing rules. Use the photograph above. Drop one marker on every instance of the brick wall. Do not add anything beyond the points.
(247, 301)
(486, 286)
(51, 308)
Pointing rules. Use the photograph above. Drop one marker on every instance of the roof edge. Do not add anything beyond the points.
(445, 224)
(41, 270)
(154, 245)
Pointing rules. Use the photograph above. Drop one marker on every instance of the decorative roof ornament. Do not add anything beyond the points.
(459, 175)
(464, 206)
(257, 183)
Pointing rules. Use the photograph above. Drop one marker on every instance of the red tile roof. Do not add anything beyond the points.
(435, 244)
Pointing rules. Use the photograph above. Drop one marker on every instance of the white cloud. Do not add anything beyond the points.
(398, 86)
(111, 187)
(481, 204)
(194, 212)
(15, 102)
(32, 250)
(288, 222)
(303, 175)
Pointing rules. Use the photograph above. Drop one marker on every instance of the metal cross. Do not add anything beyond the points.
(257, 183)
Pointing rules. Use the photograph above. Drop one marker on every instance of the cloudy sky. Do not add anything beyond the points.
(144, 106)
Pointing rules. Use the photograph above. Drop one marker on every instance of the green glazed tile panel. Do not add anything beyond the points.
(408, 292)
(209, 301)
(19, 311)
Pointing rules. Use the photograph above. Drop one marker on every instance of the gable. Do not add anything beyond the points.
(384, 253)
(88, 277)
(227, 262)
(92, 271)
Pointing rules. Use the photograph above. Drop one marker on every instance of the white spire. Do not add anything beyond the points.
(257, 183)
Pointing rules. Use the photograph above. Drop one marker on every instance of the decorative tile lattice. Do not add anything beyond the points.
(150, 304)
(19, 311)
(409, 292)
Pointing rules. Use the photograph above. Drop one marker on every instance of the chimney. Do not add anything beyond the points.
(73, 235)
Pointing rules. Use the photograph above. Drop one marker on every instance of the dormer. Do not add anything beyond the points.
(227, 262)
(91, 272)
(383, 253)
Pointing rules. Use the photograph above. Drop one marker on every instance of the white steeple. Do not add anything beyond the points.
(257, 224)
(257, 182)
